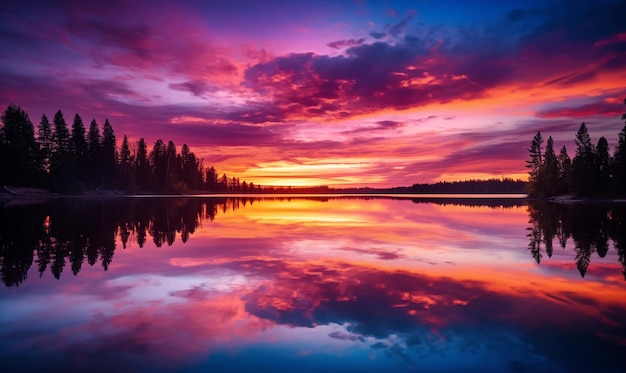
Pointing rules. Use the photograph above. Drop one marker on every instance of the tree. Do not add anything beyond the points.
(619, 160)
(190, 168)
(211, 179)
(142, 171)
(158, 163)
(534, 188)
(550, 170)
(60, 168)
(565, 165)
(19, 148)
(126, 166)
(94, 155)
(602, 166)
(46, 143)
(582, 181)
(78, 147)
(109, 154)
(173, 165)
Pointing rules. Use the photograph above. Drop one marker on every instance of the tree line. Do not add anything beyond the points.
(592, 171)
(79, 159)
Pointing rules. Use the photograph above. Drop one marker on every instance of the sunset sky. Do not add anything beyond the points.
(352, 93)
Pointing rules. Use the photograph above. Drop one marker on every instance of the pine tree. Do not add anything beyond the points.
(79, 148)
(109, 155)
(46, 143)
(143, 174)
(619, 161)
(158, 163)
(602, 166)
(211, 179)
(582, 181)
(126, 166)
(565, 166)
(550, 170)
(19, 148)
(534, 186)
(78, 142)
(94, 155)
(60, 166)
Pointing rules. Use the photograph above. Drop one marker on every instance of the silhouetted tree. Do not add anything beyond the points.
(143, 174)
(109, 155)
(46, 143)
(94, 155)
(602, 166)
(78, 149)
(583, 173)
(20, 151)
(619, 160)
(565, 166)
(158, 163)
(172, 176)
(190, 168)
(211, 179)
(535, 164)
(126, 166)
(550, 171)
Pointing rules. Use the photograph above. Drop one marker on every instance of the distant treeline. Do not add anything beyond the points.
(490, 186)
(76, 160)
(592, 172)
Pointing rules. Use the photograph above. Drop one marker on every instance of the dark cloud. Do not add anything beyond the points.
(340, 44)
(378, 35)
(595, 109)
(196, 87)
(380, 254)
(388, 124)
(346, 337)
(424, 68)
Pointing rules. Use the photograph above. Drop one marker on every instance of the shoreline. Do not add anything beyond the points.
(25, 193)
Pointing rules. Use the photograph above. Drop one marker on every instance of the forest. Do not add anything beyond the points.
(75, 160)
(592, 172)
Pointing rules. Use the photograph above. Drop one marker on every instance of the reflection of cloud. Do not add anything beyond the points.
(346, 337)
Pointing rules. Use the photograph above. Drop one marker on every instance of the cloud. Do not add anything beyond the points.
(196, 87)
(340, 44)
(378, 35)
(595, 109)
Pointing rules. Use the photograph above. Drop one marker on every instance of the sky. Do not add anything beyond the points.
(340, 93)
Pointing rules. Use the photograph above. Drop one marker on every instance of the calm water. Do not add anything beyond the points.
(311, 285)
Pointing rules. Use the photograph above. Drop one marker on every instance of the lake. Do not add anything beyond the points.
(324, 284)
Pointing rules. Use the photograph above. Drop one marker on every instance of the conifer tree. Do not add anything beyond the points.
(78, 146)
(619, 160)
(565, 166)
(19, 148)
(46, 143)
(60, 165)
(94, 155)
(143, 174)
(534, 164)
(550, 171)
(602, 166)
(109, 155)
(126, 166)
(582, 181)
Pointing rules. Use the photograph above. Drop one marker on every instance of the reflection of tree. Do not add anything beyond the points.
(590, 227)
(66, 232)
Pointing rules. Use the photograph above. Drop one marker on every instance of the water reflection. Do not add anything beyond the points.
(590, 226)
(308, 285)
